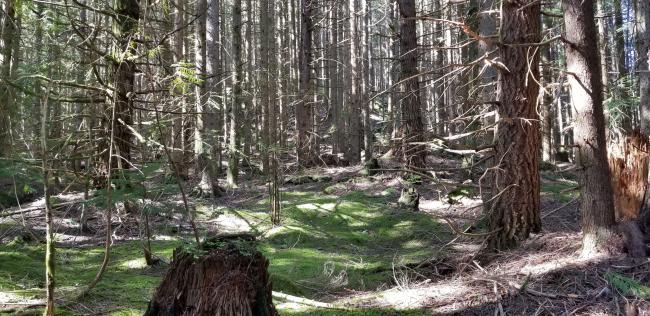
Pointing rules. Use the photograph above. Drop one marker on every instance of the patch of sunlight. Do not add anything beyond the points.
(293, 307)
(325, 207)
(537, 268)
(285, 229)
(12, 298)
(405, 298)
(433, 204)
(405, 223)
(466, 247)
(414, 244)
(295, 194)
(139, 263)
(231, 224)
(126, 312)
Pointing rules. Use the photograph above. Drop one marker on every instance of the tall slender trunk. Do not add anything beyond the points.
(208, 184)
(411, 129)
(305, 109)
(211, 121)
(643, 53)
(603, 43)
(353, 153)
(583, 66)
(49, 228)
(125, 28)
(365, 76)
(335, 84)
(8, 29)
(621, 91)
(235, 114)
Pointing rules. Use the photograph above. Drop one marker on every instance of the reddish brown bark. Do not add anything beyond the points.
(513, 205)
(411, 126)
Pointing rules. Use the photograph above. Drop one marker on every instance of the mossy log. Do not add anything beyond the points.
(228, 278)
(302, 179)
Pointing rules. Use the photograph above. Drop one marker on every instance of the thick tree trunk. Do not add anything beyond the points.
(583, 67)
(513, 206)
(411, 128)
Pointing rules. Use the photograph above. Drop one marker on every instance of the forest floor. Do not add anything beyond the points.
(344, 241)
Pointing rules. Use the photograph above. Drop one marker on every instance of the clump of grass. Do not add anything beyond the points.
(627, 286)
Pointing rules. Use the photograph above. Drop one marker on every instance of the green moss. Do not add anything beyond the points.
(560, 190)
(327, 243)
(127, 284)
(330, 242)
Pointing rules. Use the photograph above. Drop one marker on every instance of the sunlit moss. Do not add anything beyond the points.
(326, 243)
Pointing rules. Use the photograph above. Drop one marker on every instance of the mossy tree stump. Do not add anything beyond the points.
(229, 277)
(409, 199)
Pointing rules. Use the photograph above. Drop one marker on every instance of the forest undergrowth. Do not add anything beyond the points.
(344, 245)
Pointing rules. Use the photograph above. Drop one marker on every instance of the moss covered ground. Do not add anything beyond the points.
(327, 245)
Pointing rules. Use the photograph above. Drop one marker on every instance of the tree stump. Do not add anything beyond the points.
(229, 278)
(628, 162)
(409, 199)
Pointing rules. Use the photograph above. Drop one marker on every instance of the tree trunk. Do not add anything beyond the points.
(125, 27)
(305, 145)
(232, 174)
(211, 121)
(363, 91)
(603, 42)
(513, 206)
(8, 29)
(50, 256)
(643, 53)
(583, 66)
(354, 130)
(621, 91)
(411, 128)
(208, 184)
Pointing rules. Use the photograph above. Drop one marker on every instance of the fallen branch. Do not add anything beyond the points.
(25, 210)
(559, 208)
(301, 300)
